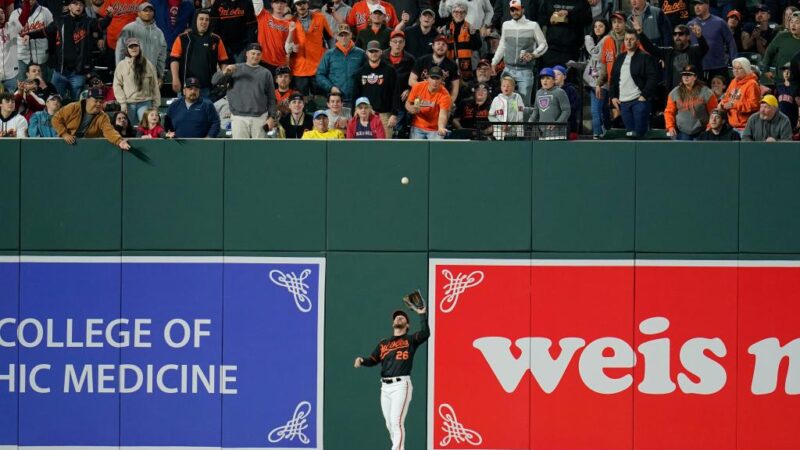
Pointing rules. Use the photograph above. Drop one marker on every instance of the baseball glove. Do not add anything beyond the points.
(414, 300)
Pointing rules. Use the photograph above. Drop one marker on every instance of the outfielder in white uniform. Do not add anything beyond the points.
(396, 357)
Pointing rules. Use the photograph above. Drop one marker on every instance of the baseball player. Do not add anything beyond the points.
(396, 356)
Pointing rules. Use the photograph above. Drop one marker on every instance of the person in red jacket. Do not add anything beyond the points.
(365, 124)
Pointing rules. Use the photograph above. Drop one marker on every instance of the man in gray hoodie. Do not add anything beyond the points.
(251, 94)
(151, 38)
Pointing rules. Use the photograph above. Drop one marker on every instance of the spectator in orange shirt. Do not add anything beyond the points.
(308, 34)
(124, 12)
(429, 104)
(273, 30)
(358, 17)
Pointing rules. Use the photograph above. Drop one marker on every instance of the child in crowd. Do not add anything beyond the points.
(551, 105)
(150, 126)
(508, 106)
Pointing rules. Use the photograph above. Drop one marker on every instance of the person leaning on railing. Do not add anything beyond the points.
(86, 119)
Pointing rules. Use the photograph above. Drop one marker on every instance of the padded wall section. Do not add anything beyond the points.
(770, 204)
(480, 196)
(9, 195)
(174, 201)
(583, 199)
(274, 195)
(368, 206)
(362, 291)
(687, 197)
(70, 195)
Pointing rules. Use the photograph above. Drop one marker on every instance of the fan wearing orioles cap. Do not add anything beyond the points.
(395, 354)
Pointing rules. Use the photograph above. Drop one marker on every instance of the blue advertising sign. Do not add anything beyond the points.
(180, 352)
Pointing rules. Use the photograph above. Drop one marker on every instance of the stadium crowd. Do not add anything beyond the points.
(399, 69)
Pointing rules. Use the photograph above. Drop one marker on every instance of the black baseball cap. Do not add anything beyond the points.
(296, 96)
(192, 82)
(435, 72)
(253, 46)
(96, 93)
(399, 312)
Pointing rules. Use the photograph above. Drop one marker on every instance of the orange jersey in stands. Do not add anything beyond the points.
(430, 103)
(359, 15)
(310, 45)
(125, 12)
(272, 34)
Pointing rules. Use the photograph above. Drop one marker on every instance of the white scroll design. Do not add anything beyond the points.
(294, 427)
(456, 286)
(295, 285)
(455, 431)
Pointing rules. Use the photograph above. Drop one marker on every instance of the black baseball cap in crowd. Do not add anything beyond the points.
(96, 93)
(253, 46)
(435, 72)
(700, 2)
(296, 96)
(399, 312)
(192, 82)
(283, 70)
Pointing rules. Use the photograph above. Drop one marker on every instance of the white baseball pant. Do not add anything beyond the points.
(395, 398)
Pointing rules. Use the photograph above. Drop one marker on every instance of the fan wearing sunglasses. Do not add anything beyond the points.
(682, 53)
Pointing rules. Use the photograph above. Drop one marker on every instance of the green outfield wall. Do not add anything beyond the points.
(345, 201)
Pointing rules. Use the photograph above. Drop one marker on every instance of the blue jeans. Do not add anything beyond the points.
(419, 133)
(69, 80)
(685, 137)
(601, 114)
(524, 80)
(636, 117)
(10, 85)
(136, 111)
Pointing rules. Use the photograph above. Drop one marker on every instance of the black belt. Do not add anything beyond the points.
(390, 380)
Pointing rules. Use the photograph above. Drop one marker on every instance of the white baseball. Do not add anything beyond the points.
(404, 180)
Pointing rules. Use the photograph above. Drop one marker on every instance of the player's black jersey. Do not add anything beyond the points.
(396, 354)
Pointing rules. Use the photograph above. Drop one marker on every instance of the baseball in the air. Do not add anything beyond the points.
(404, 180)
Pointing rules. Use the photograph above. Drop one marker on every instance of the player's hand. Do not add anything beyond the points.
(358, 362)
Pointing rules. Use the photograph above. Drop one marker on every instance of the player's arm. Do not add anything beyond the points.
(425, 331)
(371, 360)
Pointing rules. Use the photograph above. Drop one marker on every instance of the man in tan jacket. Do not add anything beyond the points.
(87, 119)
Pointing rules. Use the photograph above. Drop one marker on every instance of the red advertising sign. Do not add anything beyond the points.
(614, 354)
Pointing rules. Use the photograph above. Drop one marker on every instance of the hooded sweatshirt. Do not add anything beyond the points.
(198, 55)
(73, 43)
(691, 116)
(13, 126)
(151, 41)
(551, 105)
(745, 94)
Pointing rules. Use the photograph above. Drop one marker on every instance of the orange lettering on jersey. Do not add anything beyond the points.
(392, 346)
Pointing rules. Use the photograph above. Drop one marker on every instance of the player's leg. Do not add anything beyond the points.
(386, 403)
(401, 398)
